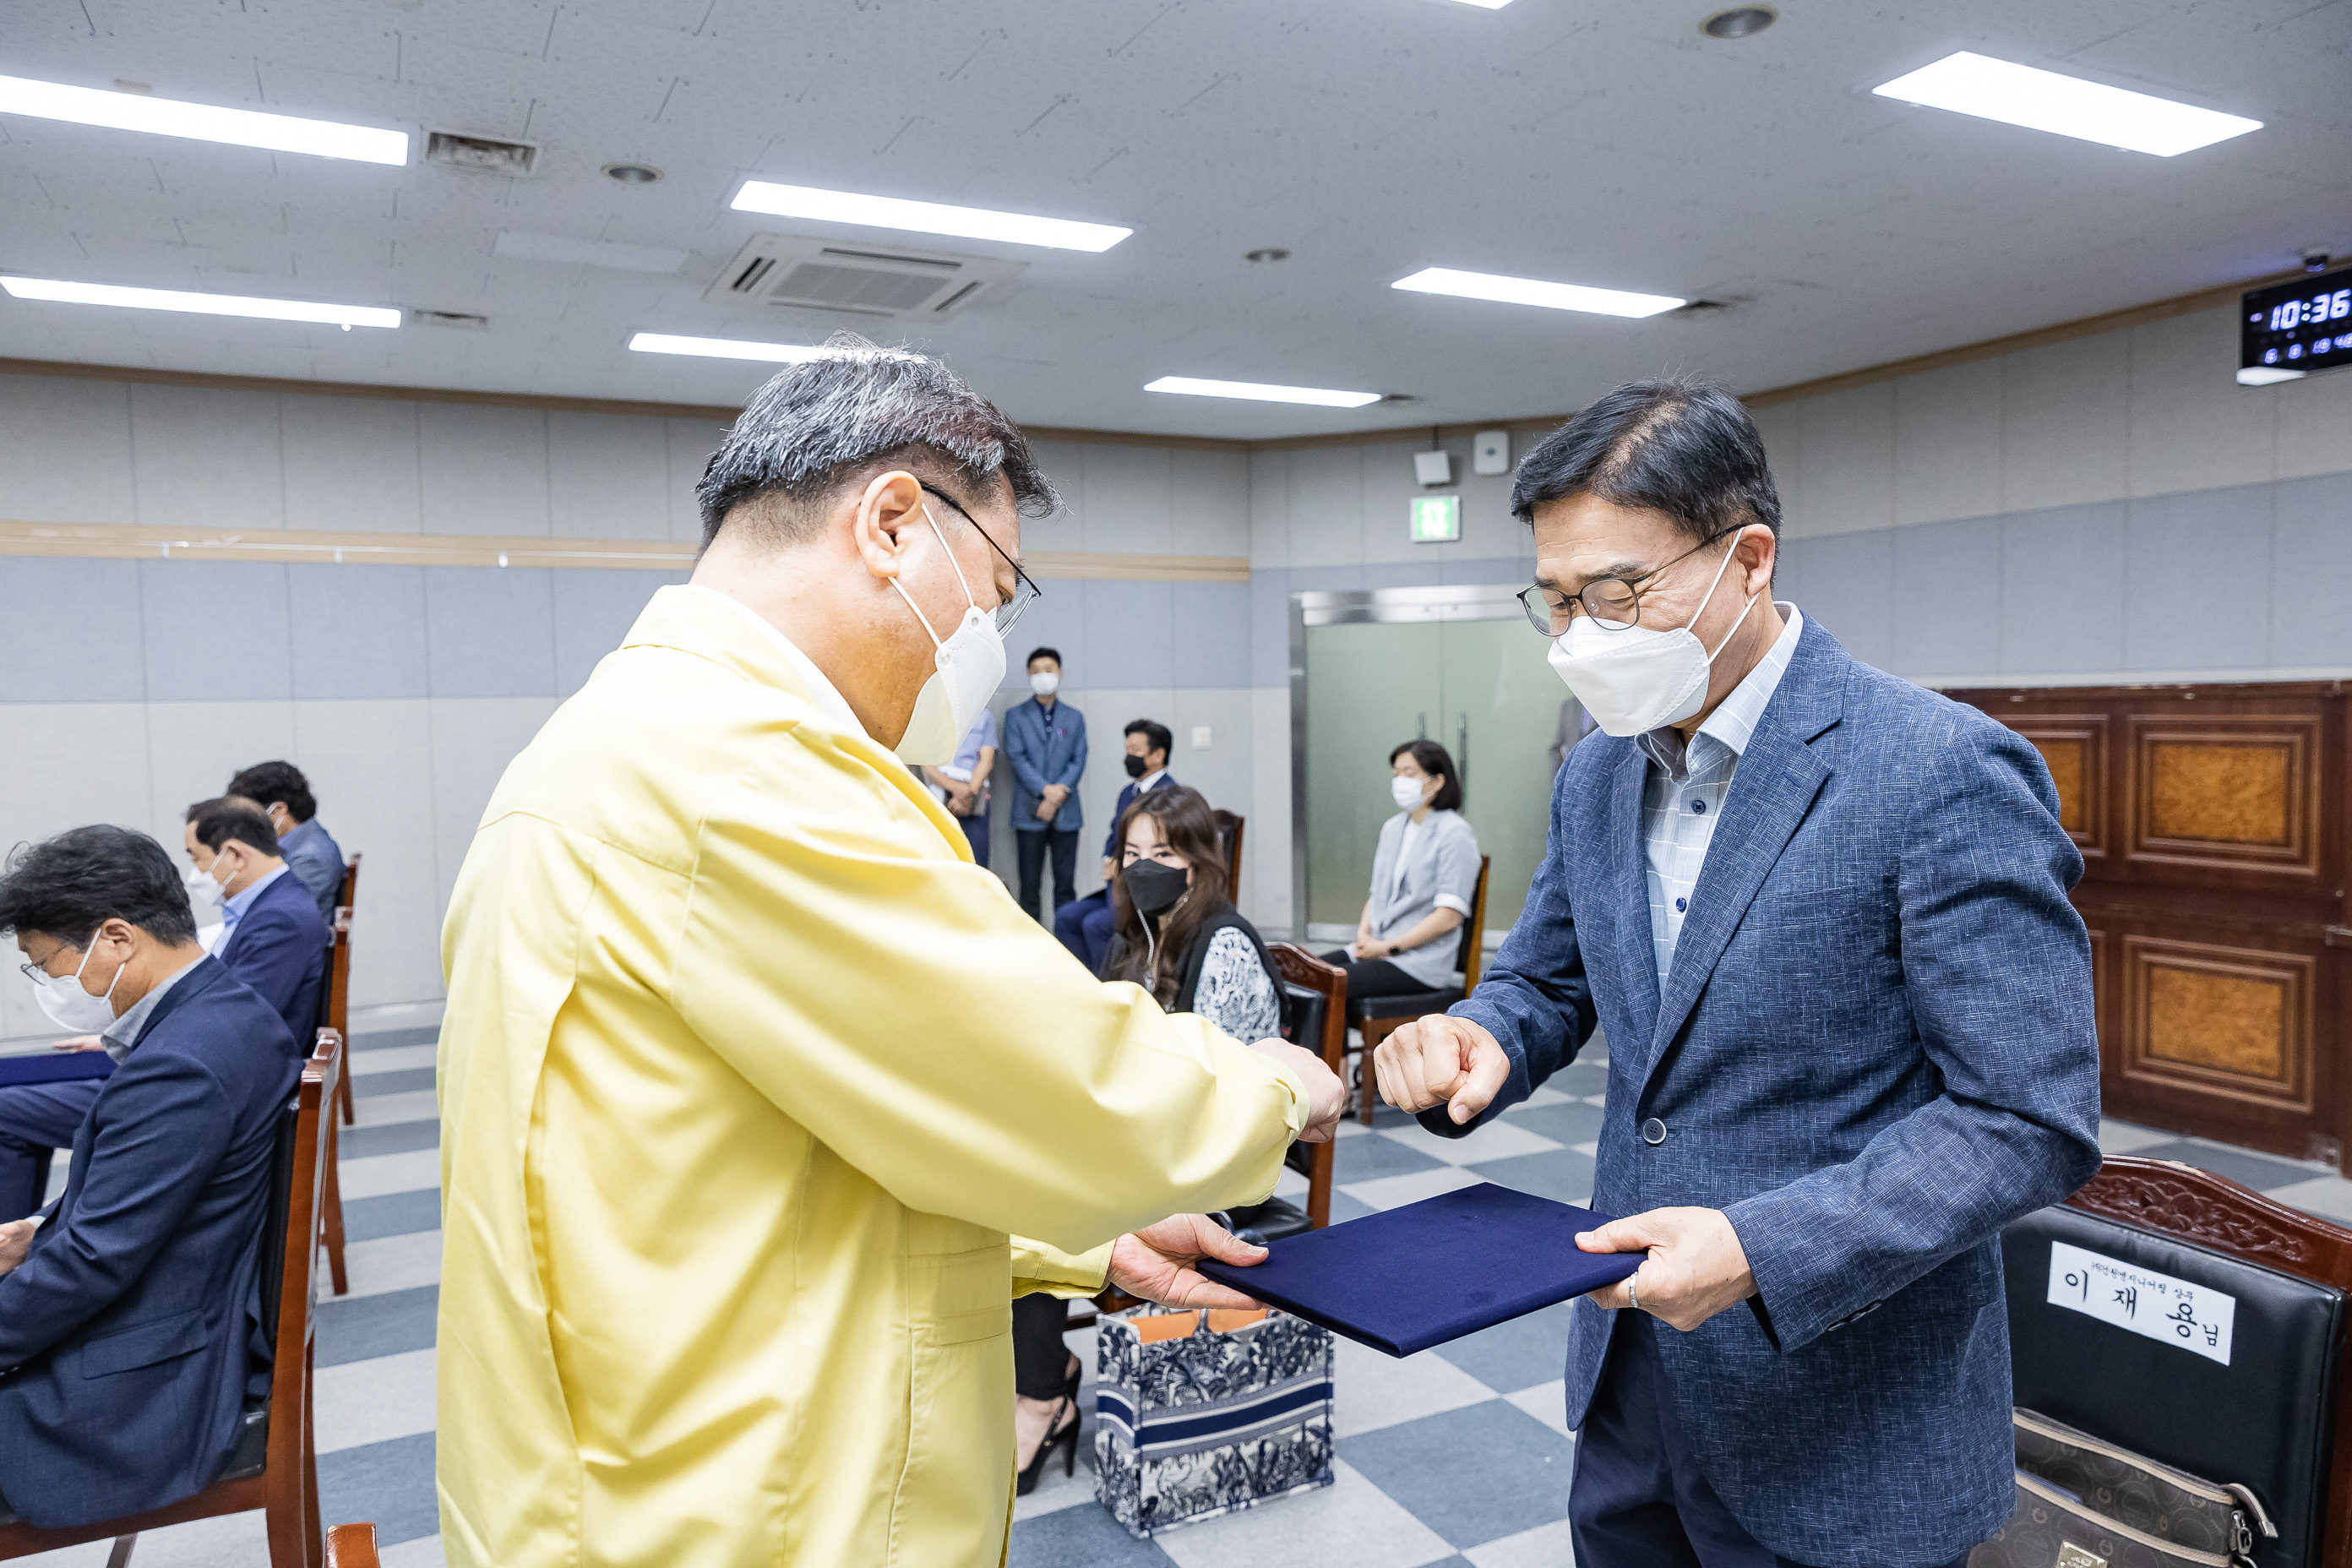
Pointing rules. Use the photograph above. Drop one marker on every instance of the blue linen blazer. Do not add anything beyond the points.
(130, 1336)
(1873, 1049)
(1045, 751)
(317, 861)
(1126, 794)
(279, 951)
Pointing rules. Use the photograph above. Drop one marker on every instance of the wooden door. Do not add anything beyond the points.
(2213, 825)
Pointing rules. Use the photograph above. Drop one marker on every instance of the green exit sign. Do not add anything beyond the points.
(1436, 519)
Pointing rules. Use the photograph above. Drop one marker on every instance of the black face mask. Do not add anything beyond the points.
(1136, 766)
(1154, 889)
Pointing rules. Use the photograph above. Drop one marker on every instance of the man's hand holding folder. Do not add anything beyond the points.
(1696, 1267)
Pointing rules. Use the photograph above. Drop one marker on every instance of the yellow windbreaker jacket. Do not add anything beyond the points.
(749, 1078)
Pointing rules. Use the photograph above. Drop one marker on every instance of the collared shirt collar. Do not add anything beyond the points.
(826, 696)
(119, 1035)
(233, 909)
(1734, 719)
(1150, 781)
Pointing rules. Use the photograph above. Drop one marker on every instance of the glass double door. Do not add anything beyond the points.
(1478, 687)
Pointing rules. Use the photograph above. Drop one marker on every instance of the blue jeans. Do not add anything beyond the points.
(1638, 1499)
(36, 1118)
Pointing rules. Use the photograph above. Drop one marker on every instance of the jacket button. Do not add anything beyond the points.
(1653, 1131)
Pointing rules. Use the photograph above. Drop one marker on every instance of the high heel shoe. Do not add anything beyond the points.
(1061, 1437)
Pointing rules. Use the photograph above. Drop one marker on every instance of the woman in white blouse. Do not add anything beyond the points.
(1423, 877)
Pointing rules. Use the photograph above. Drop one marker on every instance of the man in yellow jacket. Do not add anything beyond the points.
(751, 1083)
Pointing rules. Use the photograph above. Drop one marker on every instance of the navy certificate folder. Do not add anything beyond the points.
(1411, 1278)
(52, 1067)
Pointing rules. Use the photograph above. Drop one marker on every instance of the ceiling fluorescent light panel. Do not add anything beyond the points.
(2014, 94)
(62, 292)
(924, 217)
(201, 121)
(1258, 392)
(723, 348)
(1535, 291)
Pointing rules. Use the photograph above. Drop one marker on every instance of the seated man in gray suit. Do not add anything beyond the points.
(310, 850)
(1822, 914)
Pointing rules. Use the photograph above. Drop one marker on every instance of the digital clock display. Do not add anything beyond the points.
(2301, 326)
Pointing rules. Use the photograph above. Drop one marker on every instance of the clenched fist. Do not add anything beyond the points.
(1442, 1060)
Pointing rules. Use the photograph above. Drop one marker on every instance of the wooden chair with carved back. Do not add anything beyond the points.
(2107, 1337)
(1229, 832)
(1378, 1017)
(338, 1013)
(275, 1466)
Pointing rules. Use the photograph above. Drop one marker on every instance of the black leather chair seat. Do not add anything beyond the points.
(1407, 1005)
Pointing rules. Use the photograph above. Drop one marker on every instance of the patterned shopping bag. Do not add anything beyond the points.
(1199, 1414)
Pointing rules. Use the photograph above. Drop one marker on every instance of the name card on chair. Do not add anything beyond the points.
(2191, 1317)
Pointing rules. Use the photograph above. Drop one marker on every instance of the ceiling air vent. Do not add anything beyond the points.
(859, 281)
(480, 154)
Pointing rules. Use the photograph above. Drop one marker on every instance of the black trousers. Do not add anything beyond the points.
(1374, 976)
(1041, 1362)
(1034, 845)
(1638, 1498)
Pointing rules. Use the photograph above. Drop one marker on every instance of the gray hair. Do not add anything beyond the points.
(816, 425)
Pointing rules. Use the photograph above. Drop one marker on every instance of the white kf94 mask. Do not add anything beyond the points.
(1635, 680)
(969, 665)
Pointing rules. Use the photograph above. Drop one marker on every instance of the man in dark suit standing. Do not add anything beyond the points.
(310, 850)
(1046, 743)
(271, 939)
(127, 1308)
(1084, 924)
(1821, 915)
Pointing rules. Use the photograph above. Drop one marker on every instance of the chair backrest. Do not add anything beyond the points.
(2276, 1416)
(335, 999)
(348, 897)
(298, 1179)
(1316, 1006)
(1229, 834)
(1473, 951)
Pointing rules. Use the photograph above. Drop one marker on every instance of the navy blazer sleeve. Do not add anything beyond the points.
(1534, 998)
(1025, 748)
(278, 957)
(166, 1124)
(1997, 970)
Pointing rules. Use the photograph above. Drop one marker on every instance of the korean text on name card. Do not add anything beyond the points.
(2190, 1316)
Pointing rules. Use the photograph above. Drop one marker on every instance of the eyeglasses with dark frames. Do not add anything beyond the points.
(1025, 590)
(1614, 603)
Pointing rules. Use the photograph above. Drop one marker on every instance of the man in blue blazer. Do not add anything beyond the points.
(1083, 925)
(1821, 915)
(130, 1312)
(272, 942)
(271, 939)
(1046, 743)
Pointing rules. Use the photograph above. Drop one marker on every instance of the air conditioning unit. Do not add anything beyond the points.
(804, 274)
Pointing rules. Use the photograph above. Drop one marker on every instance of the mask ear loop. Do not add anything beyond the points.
(959, 581)
(1710, 595)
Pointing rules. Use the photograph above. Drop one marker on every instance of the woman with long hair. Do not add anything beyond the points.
(1424, 875)
(1176, 934)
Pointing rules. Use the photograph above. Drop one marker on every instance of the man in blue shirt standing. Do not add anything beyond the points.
(1083, 925)
(311, 851)
(1046, 741)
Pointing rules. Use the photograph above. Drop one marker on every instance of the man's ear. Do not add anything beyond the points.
(885, 512)
(1760, 551)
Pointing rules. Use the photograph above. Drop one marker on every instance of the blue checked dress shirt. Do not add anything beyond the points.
(1684, 791)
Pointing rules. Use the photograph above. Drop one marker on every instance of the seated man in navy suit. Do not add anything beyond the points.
(1084, 924)
(272, 941)
(1821, 915)
(311, 851)
(271, 936)
(129, 1308)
